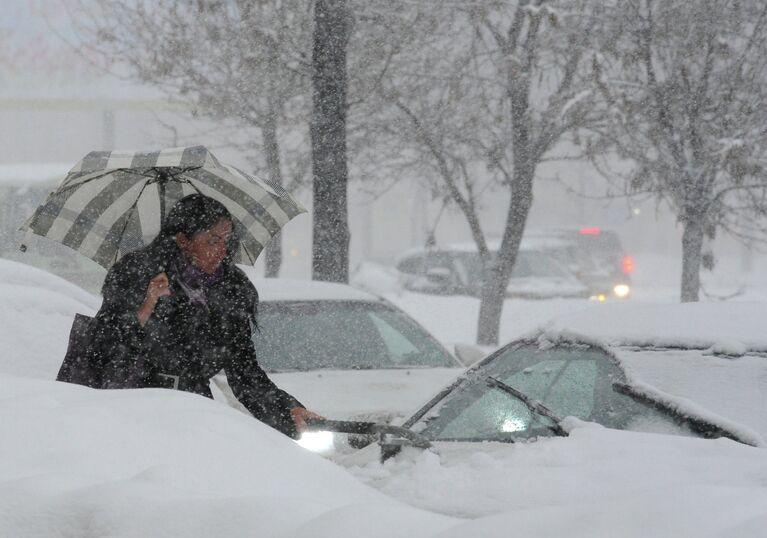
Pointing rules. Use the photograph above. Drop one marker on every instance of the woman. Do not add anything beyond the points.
(178, 311)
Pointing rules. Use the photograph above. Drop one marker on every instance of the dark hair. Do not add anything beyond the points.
(190, 215)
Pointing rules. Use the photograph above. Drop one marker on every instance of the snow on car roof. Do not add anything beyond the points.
(18, 276)
(725, 327)
(286, 289)
(555, 238)
(544, 242)
(492, 245)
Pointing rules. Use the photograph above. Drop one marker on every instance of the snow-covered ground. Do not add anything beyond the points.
(78, 462)
(596, 482)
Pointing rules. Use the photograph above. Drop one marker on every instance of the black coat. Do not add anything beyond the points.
(183, 339)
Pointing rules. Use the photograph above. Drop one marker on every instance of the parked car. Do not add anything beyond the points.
(499, 441)
(458, 270)
(595, 256)
(344, 352)
(528, 389)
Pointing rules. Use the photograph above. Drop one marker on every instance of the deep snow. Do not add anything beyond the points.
(79, 462)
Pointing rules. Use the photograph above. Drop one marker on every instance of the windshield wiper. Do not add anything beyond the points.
(532, 404)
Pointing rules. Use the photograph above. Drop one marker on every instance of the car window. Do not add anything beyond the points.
(341, 335)
(412, 264)
(421, 263)
(570, 258)
(529, 264)
(604, 249)
(470, 262)
(567, 386)
(569, 380)
(536, 264)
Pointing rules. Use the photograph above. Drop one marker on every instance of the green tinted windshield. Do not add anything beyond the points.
(342, 335)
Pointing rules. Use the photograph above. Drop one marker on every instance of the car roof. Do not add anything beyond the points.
(733, 326)
(468, 246)
(590, 237)
(286, 289)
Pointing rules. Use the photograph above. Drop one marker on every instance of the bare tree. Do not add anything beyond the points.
(241, 61)
(685, 84)
(330, 252)
(490, 92)
(274, 67)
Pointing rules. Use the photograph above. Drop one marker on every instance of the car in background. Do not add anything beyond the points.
(458, 270)
(595, 256)
(344, 352)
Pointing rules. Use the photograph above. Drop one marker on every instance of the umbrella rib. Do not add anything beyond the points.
(129, 215)
(77, 185)
(135, 203)
(124, 170)
(193, 186)
(176, 177)
(129, 171)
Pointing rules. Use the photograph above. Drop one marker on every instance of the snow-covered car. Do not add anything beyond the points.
(344, 352)
(457, 270)
(551, 430)
(541, 387)
(36, 312)
(529, 387)
(595, 256)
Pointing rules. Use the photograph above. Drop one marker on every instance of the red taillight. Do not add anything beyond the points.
(590, 231)
(628, 264)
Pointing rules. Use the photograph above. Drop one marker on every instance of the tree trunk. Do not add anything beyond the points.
(499, 271)
(273, 251)
(692, 248)
(273, 257)
(330, 240)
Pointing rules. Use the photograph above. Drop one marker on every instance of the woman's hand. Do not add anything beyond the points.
(300, 415)
(158, 287)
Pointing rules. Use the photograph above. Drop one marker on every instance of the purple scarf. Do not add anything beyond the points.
(195, 282)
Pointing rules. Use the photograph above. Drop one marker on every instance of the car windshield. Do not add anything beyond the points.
(536, 264)
(570, 380)
(342, 335)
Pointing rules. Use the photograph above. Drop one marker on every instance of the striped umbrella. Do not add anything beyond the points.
(113, 202)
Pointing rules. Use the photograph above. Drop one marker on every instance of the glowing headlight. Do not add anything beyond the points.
(320, 442)
(621, 290)
(601, 297)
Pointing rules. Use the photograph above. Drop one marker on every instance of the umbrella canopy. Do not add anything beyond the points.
(113, 202)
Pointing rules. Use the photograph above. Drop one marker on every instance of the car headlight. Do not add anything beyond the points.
(319, 442)
(622, 290)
